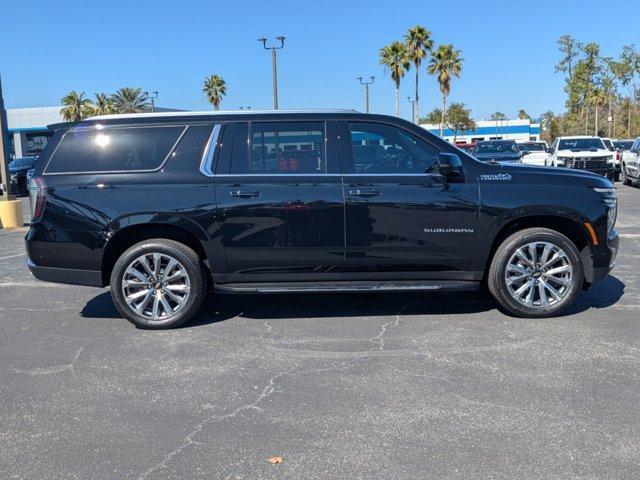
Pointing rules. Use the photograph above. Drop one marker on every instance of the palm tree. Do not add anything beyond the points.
(418, 44)
(215, 88)
(445, 63)
(394, 58)
(103, 105)
(523, 115)
(130, 100)
(597, 97)
(75, 106)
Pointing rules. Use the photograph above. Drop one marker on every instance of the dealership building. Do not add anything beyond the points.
(518, 130)
(28, 134)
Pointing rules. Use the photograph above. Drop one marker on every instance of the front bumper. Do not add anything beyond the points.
(611, 252)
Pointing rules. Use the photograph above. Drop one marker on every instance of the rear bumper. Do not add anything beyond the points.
(70, 276)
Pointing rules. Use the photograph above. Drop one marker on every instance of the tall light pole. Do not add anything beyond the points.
(366, 90)
(151, 96)
(274, 65)
(5, 185)
(412, 101)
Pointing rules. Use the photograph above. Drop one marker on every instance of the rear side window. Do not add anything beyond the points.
(285, 148)
(114, 149)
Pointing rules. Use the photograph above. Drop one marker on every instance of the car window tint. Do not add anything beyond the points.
(379, 148)
(114, 149)
(282, 148)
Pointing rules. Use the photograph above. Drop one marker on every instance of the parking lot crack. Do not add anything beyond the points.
(265, 393)
(53, 369)
(379, 339)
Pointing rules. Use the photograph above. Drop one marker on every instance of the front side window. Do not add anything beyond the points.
(378, 148)
(283, 148)
(114, 149)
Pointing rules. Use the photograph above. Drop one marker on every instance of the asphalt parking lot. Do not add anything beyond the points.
(341, 386)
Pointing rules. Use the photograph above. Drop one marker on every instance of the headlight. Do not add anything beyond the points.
(14, 178)
(608, 196)
(563, 160)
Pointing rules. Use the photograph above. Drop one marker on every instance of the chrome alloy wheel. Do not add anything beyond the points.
(156, 286)
(539, 275)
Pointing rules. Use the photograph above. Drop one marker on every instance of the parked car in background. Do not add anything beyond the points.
(615, 160)
(630, 164)
(501, 151)
(620, 146)
(467, 147)
(582, 153)
(18, 169)
(534, 153)
(164, 206)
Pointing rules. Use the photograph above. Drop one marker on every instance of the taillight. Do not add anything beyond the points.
(37, 197)
(618, 155)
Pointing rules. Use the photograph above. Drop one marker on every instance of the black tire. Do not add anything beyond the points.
(625, 177)
(496, 277)
(197, 276)
(616, 177)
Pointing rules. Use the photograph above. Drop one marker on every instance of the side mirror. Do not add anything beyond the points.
(549, 150)
(449, 164)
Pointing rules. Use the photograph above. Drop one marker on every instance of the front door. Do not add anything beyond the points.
(280, 202)
(403, 219)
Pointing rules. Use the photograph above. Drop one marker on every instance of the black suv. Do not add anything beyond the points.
(163, 207)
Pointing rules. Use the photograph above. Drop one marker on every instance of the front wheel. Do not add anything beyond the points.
(158, 283)
(536, 273)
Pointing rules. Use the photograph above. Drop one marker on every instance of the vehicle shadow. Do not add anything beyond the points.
(219, 307)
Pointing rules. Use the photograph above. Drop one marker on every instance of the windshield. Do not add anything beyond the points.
(532, 147)
(623, 145)
(497, 147)
(581, 144)
(20, 163)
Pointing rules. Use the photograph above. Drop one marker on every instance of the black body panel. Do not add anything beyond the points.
(333, 226)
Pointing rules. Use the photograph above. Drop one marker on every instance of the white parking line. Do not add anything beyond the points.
(13, 256)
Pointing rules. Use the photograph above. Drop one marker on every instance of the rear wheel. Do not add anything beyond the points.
(536, 273)
(158, 283)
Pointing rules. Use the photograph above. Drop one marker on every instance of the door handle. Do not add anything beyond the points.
(245, 193)
(364, 192)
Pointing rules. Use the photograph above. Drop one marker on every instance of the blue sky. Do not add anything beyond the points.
(509, 47)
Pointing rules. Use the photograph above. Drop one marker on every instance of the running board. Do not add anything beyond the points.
(351, 286)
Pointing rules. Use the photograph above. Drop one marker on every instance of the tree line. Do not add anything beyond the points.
(76, 106)
(603, 94)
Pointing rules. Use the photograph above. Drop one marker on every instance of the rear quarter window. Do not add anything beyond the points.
(114, 149)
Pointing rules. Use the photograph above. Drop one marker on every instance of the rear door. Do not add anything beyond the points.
(280, 202)
(403, 219)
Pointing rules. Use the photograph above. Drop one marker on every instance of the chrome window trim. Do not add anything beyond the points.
(209, 151)
(109, 172)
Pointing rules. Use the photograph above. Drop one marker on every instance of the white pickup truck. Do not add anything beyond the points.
(630, 161)
(582, 152)
(534, 153)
